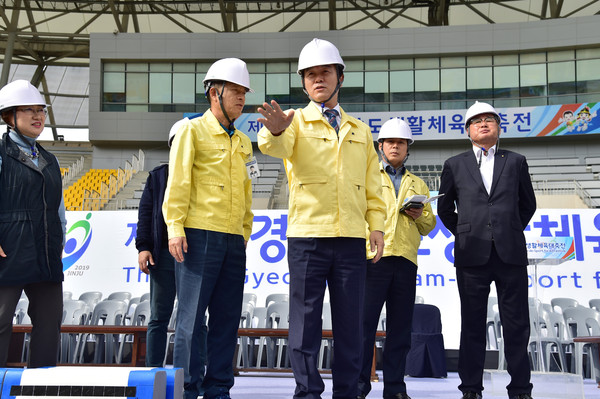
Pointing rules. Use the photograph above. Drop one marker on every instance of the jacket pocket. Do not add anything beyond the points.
(352, 138)
(211, 146)
(211, 195)
(312, 133)
(312, 201)
(244, 150)
(212, 154)
(18, 240)
(516, 225)
(212, 184)
(359, 195)
(463, 228)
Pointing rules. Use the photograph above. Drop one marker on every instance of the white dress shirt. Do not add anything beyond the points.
(337, 108)
(486, 165)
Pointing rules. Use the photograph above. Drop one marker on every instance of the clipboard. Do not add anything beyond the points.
(417, 201)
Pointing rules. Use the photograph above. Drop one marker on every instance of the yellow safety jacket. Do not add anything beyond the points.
(208, 187)
(402, 232)
(334, 183)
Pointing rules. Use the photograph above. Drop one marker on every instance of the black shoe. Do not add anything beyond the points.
(401, 395)
(361, 396)
(471, 395)
(521, 396)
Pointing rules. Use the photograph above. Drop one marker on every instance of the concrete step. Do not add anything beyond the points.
(128, 197)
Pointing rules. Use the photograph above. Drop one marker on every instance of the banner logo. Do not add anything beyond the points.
(79, 237)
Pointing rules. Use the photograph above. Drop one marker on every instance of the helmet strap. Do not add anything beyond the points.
(231, 127)
(337, 88)
(385, 158)
(34, 153)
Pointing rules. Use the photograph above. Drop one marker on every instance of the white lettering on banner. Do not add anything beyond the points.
(538, 121)
(100, 255)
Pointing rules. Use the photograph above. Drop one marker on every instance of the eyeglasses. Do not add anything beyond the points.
(34, 111)
(489, 119)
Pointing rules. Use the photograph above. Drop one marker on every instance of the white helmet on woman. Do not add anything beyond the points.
(231, 70)
(319, 52)
(18, 93)
(395, 128)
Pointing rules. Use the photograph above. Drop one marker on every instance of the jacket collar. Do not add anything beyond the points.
(15, 147)
(499, 162)
(212, 119)
(473, 168)
(312, 113)
(216, 130)
(383, 165)
(406, 173)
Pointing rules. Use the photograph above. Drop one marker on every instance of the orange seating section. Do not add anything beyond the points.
(92, 181)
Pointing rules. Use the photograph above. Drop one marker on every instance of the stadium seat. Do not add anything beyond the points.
(243, 358)
(562, 303)
(426, 357)
(141, 317)
(107, 312)
(277, 317)
(583, 322)
(272, 298)
(326, 351)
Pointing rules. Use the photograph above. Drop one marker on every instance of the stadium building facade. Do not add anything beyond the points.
(140, 84)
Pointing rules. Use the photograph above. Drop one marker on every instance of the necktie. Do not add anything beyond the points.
(331, 115)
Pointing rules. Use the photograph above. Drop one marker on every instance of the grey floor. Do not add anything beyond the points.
(546, 386)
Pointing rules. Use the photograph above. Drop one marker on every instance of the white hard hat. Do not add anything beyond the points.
(175, 128)
(396, 128)
(231, 70)
(477, 109)
(20, 92)
(319, 52)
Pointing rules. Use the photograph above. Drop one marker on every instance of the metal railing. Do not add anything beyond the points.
(433, 182)
(73, 171)
(570, 187)
(95, 201)
(104, 203)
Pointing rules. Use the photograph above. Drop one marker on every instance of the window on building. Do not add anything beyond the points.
(449, 82)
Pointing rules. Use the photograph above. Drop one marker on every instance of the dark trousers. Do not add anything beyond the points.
(162, 298)
(210, 277)
(46, 312)
(392, 281)
(512, 288)
(339, 264)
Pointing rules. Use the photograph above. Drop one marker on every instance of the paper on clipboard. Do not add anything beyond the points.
(418, 201)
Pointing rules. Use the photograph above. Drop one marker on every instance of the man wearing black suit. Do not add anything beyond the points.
(488, 201)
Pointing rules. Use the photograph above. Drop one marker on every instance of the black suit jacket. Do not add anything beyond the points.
(151, 228)
(477, 219)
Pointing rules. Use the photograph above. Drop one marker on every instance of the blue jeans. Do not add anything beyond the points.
(162, 297)
(210, 277)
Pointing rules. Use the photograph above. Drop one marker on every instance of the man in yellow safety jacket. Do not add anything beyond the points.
(392, 280)
(335, 189)
(209, 221)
